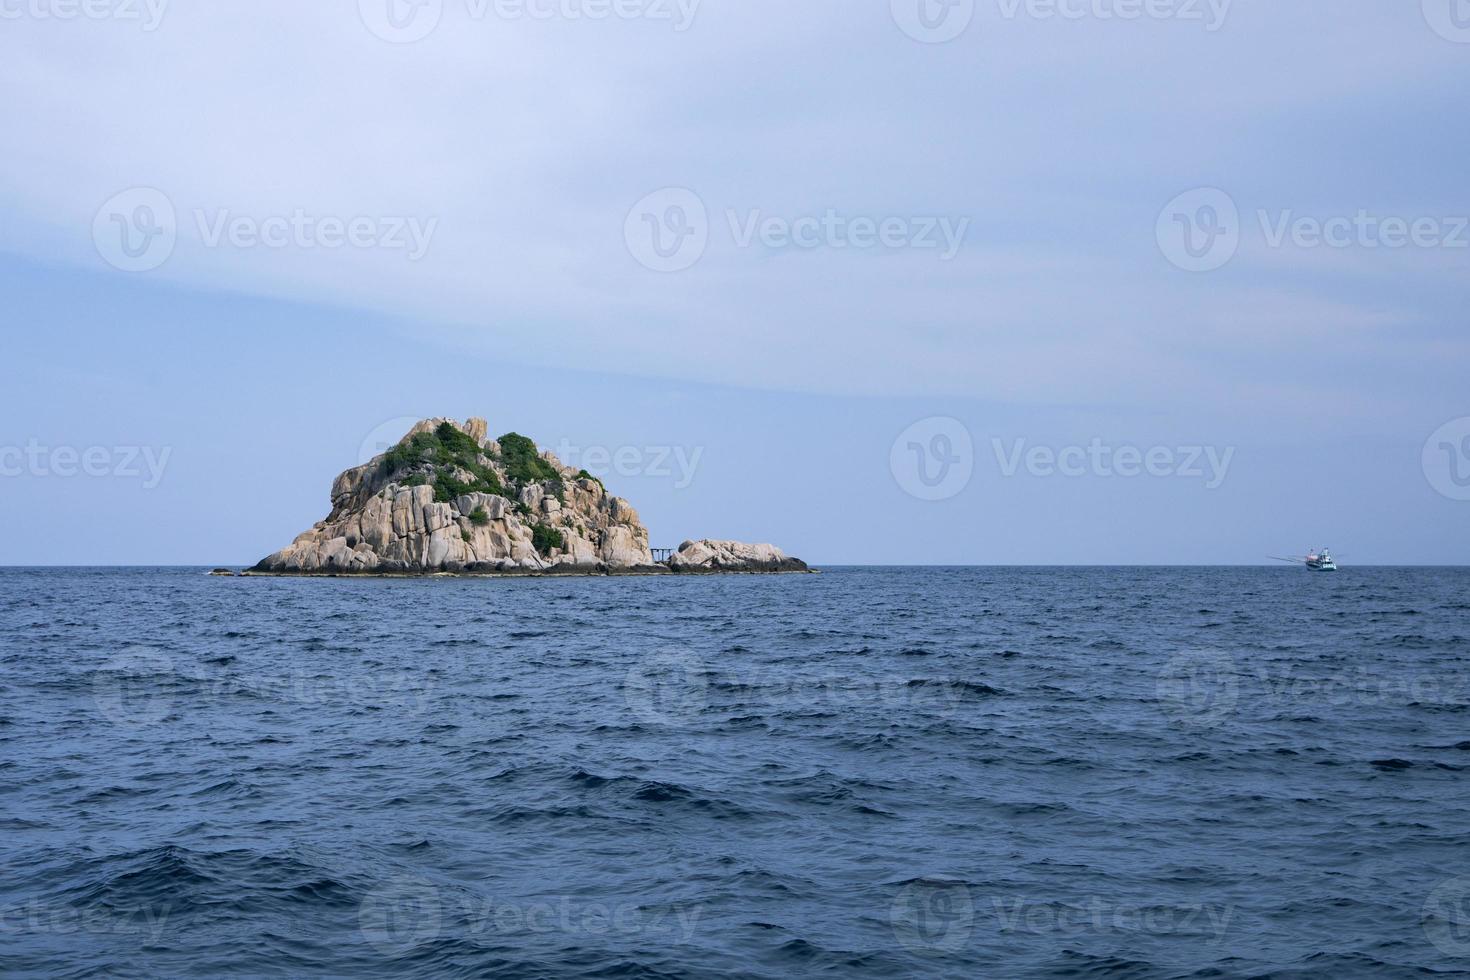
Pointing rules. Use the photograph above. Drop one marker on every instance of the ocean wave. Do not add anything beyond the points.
(864, 780)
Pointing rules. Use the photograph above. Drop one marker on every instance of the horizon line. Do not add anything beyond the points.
(816, 565)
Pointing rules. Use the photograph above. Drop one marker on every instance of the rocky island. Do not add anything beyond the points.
(448, 500)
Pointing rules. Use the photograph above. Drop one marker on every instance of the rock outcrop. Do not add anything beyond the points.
(448, 499)
(732, 556)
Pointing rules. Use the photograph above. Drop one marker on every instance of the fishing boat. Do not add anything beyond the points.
(1316, 559)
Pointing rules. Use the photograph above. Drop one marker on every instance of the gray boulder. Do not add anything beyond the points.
(733, 556)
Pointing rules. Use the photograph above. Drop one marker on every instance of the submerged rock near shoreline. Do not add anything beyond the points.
(447, 499)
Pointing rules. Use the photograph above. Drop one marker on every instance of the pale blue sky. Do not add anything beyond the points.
(762, 383)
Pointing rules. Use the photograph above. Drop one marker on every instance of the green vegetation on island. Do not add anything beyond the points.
(544, 538)
(441, 453)
(523, 464)
(442, 457)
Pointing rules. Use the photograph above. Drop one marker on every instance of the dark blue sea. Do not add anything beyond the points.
(983, 772)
